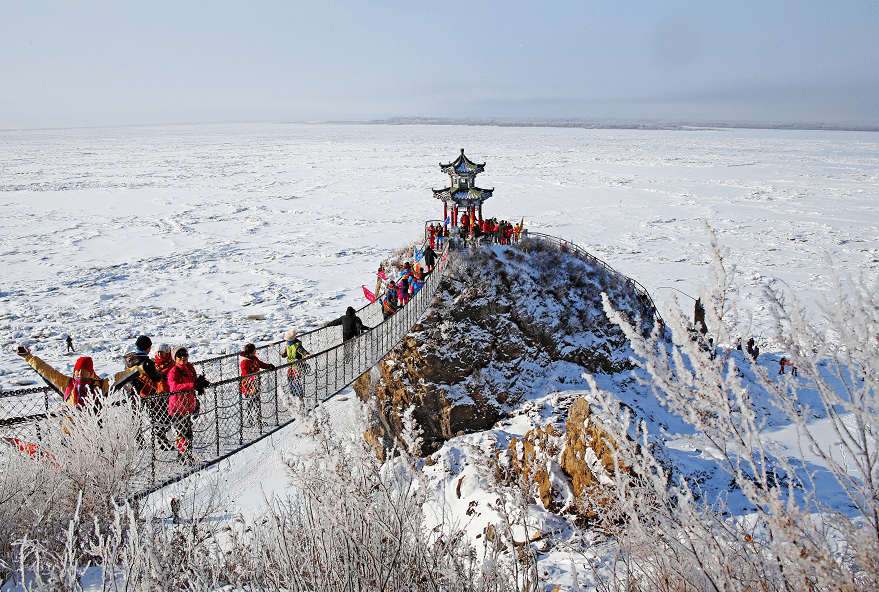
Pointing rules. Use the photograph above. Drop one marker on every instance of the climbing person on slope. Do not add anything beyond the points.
(293, 352)
(250, 385)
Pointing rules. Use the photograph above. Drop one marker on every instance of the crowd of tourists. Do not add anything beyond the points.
(165, 385)
(476, 231)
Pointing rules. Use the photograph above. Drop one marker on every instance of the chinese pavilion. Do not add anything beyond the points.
(463, 192)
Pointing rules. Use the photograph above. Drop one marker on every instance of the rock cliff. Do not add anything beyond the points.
(507, 321)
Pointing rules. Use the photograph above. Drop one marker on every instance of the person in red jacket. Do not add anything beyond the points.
(250, 365)
(183, 383)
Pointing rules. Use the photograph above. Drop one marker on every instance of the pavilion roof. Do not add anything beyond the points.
(464, 197)
(462, 164)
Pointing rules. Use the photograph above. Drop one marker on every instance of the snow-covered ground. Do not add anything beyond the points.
(212, 236)
(215, 235)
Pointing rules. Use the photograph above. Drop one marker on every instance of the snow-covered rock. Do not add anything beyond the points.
(507, 321)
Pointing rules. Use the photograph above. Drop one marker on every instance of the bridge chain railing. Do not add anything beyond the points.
(236, 411)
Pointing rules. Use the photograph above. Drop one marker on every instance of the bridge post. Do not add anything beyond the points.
(240, 417)
(153, 452)
(277, 421)
(217, 420)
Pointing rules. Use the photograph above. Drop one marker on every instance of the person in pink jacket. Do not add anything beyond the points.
(183, 382)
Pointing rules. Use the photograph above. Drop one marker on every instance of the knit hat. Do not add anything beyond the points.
(290, 335)
(84, 363)
(163, 348)
(178, 350)
(143, 343)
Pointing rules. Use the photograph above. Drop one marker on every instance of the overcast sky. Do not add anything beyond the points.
(87, 62)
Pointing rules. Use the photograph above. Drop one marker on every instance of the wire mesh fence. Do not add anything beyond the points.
(234, 411)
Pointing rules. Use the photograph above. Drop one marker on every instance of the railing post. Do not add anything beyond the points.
(258, 395)
(152, 453)
(277, 420)
(240, 417)
(217, 419)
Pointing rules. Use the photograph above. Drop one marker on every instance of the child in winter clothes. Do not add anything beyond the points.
(417, 282)
(403, 290)
(250, 364)
(183, 383)
(295, 351)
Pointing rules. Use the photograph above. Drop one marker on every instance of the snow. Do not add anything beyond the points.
(211, 236)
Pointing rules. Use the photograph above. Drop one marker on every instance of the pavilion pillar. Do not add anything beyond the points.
(445, 211)
(480, 211)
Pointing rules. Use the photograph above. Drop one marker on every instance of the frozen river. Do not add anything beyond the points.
(214, 235)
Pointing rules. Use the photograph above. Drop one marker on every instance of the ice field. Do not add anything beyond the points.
(215, 235)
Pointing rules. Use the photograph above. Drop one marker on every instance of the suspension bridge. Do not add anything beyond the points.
(230, 420)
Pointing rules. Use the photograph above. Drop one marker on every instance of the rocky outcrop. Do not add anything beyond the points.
(579, 461)
(507, 321)
(588, 449)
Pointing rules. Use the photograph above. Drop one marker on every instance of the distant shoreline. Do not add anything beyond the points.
(620, 124)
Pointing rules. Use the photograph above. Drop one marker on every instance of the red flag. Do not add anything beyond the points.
(382, 275)
(369, 295)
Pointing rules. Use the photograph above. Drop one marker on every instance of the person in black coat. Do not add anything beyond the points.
(352, 326)
(144, 390)
(429, 259)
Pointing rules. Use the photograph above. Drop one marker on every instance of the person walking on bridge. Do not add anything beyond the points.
(184, 382)
(390, 303)
(352, 326)
(250, 385)
(429, 259)
(144, 388)
(293, 352)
